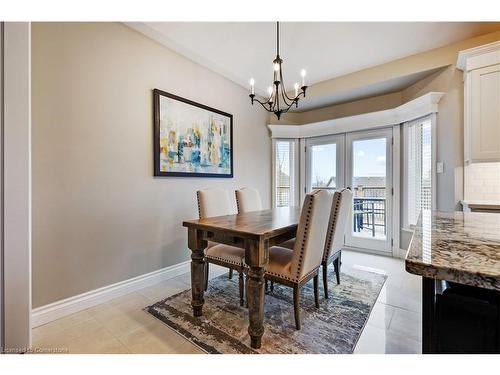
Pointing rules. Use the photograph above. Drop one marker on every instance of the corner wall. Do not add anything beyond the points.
(99, 215)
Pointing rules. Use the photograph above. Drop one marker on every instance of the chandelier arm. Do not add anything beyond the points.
(303, 93)
(263, 104)
(287, 109)
(283, 87)
(285, 97)
(291, 99)
(277, 98)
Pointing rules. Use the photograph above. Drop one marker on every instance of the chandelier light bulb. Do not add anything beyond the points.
(252, 86)
(270, 91)
(303, 75)
(296, 86)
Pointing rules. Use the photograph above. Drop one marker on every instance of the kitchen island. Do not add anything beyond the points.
(458, 256)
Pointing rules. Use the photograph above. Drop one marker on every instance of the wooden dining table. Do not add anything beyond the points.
(253, 231)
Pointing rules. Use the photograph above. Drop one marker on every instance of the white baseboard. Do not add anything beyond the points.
(56, 310)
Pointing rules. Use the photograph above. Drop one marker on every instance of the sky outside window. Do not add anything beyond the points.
(369, 157)
(369, 160)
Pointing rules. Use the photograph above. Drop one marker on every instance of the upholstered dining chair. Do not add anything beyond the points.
(295, 267)
(335, 236)
(215, 202)
(248, 199)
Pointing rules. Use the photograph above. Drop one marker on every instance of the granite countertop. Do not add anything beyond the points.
(463, 247)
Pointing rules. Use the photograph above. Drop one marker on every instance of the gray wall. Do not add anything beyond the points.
(99, 216)
(16, 192)
(2, 313)
(450, 133)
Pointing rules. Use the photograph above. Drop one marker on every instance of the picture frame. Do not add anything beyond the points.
(191, 139)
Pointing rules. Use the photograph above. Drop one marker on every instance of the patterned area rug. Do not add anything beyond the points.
(333, 328)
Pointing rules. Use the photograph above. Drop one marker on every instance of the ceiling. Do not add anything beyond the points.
(244, 50)
(379, 88)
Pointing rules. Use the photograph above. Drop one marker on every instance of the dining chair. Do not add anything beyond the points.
(335, 236)
(247, 200)
(215, 202)
(339, 216)
(294, 268)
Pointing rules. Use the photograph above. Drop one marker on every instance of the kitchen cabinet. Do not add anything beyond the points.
(481, 66)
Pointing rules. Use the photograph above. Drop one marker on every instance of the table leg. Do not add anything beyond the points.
(255, 293)
(256, 257)
(197, 247)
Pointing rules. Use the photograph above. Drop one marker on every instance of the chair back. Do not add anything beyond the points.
(339, 216)
(248, 199)
(213, 202)
(311, 233)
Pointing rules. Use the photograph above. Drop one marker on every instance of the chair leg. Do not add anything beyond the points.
(296, 306)
(206, 276)
(316, 290)
(272, 286)
(337, 269)
(266, 285)
(230, 274)
(325, 279)
(241, 283)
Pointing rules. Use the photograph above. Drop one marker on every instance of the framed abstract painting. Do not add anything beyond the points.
(191, 139)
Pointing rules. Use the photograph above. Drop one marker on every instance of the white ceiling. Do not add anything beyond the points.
(379, 88)
(244, 50)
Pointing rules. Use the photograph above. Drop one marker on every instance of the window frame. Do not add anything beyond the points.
(294, 180)
(404, 175)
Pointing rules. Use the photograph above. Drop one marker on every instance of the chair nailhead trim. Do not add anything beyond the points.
(199, 205)
(237, 202)
(280, 275)
(224, 260)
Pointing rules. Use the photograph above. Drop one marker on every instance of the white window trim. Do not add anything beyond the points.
(433, 119)
(295, 183)
(419, 107)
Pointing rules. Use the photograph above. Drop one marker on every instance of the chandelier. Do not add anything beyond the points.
(278, 101)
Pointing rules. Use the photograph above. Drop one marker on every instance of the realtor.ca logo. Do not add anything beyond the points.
(34, 350)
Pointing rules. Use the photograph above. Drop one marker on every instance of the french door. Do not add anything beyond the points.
(361, 161)
(369, 176)
(325, 163)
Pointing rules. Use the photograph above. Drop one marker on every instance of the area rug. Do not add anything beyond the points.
(333, 328)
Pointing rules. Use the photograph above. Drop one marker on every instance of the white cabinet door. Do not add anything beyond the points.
(484, 126)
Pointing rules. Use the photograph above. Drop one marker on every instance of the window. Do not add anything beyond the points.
(418, 169)
(284, 173)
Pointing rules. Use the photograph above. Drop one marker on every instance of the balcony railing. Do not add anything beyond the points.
(369, 210)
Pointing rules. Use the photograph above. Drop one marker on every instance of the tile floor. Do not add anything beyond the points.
(120, 325)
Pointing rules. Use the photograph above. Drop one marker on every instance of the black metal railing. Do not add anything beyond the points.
(369, 213)
(369, 208)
